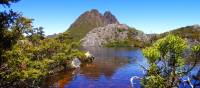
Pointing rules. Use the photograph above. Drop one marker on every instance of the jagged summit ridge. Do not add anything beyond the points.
(109, 18)
(94, 17)
(89, 20)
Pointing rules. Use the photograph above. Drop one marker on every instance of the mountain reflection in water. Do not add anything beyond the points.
(112, 68)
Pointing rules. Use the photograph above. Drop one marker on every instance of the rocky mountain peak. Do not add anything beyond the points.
(90, 20)
(107, 13)
(94, 17)
(95, 11)
(91, 15)
(109, 18)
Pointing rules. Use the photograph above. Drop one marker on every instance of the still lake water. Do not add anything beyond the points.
(112, 68)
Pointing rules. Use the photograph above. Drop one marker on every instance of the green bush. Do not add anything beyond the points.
(169, 50)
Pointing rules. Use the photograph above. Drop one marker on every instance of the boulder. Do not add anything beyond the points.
(75, 63)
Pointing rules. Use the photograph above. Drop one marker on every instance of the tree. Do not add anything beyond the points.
(40, 32)
(167, 51)
(65, 38)
(24, 61)
(35, 34)
(12, 25)
(8, 2)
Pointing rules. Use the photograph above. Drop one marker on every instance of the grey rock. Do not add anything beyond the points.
(75, 63)
(100, 36)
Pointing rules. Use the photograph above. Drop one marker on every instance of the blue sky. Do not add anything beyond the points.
(150, 16)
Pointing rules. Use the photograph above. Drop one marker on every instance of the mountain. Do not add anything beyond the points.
(88, 21)
(95, 29)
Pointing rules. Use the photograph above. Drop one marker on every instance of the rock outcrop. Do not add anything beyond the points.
(100, 36)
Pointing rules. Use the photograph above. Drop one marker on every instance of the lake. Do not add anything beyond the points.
(112, 68)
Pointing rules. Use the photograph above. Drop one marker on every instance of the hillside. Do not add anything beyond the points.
(189, 32)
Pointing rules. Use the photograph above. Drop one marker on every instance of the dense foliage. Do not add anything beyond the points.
(168, 52)
(30, 62)
(8, 2)
(26, 55)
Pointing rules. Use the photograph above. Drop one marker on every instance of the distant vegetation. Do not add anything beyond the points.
(188, 32)
(125, 43)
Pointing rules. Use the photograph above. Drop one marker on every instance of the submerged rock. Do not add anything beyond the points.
(75, 63)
